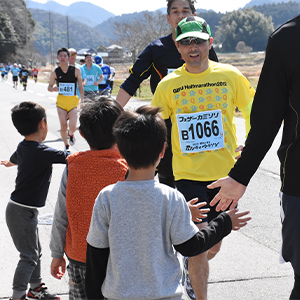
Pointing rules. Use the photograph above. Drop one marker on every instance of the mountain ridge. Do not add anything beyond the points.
(103, 34)
(85, 12)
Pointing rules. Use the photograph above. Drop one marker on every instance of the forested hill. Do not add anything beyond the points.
(80, 35)
(262, 2)
(13, 14)
(13, 29)
(280, 12)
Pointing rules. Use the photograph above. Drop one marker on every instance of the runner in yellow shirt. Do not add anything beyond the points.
(200, 98)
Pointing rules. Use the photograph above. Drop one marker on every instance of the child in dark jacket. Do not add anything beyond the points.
(34, 161)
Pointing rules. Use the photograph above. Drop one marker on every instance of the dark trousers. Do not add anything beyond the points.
(22, 224)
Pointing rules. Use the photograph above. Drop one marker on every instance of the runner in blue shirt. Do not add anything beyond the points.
(93, 77)
(15, 71)
(2, 69)
(7, 69)
(104, 86)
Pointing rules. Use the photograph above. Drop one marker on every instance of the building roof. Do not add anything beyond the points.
(112, 47)
(86, 50)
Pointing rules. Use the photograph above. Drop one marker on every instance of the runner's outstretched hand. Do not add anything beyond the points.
(230, 193)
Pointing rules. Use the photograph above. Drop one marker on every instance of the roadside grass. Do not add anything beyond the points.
(143, 93)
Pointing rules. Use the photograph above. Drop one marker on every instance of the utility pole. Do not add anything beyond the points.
(50, 38)
(68, 37)
(52, 41)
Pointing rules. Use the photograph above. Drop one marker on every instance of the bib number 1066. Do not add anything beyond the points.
(201, 130)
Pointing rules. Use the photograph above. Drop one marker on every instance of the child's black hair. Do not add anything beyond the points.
(26, 117)
(96, 122)
(140, 136)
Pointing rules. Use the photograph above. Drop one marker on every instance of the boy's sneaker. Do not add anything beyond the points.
(72, 139)
(41, 292)
(67, 147)
(186, 282)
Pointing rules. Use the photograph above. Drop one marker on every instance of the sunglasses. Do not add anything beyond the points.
(73, 54)
(189, 40)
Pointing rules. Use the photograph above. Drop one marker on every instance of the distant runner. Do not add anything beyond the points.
(93, 77)
(35, 72)
(66, 78)
(24, 76)
(2, 69)
(72, 62)
(15, 71)
(112, 76)
(7, 68)
(104, 86)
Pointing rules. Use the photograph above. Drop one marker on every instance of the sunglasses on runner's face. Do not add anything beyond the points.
(73, 54)
(189, 40)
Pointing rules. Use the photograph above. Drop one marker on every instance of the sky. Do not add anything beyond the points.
(119, 7)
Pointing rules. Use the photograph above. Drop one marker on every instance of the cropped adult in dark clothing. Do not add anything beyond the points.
(278, 94)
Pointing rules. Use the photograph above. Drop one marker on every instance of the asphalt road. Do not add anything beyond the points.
(247, 266)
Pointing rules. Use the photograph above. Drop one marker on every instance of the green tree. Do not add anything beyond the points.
(212, 18)
(246, 25)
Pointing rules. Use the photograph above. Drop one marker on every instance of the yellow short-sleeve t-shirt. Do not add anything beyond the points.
(201, 108)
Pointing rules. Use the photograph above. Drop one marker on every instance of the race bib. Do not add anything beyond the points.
(67, 89)
(201, 131)
(90, 79)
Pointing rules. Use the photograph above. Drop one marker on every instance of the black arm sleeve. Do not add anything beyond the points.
(207, 237)
(272, 95)
(14, 158)
(213, 55)
(96, 264)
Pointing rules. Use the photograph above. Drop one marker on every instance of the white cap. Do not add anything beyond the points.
(72, 50)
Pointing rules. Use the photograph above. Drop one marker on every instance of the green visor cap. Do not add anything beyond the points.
(192, 27)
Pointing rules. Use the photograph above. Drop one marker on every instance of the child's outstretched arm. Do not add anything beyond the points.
(7, 163)
(237, 219)
(213, 233)
(197, 213)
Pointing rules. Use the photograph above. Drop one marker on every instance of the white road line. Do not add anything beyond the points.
(52, 98)
(30, 91)
(41, 95)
